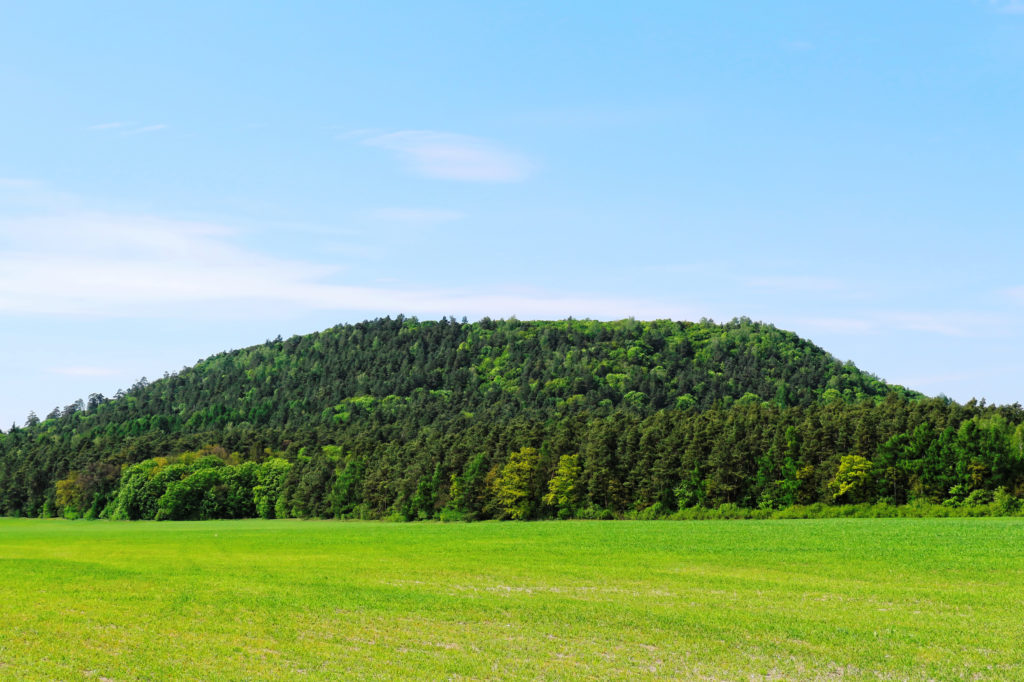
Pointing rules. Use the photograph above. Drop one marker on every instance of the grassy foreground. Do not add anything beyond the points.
(816, 599)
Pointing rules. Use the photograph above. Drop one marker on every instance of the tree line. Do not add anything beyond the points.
(507, 419)
(589, 465)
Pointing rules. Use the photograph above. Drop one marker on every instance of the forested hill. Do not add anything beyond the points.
(399, 416)
(519, 365)
(539, 367)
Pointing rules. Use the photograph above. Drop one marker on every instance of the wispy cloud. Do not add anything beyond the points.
(101, 263)
(24, 193)
(838, 325)
(925, 381)
(83, 371)
(414, 216)
(953, 323)
(144, 266)
(680, 268)
(129, 128)
(447, 156)
(1007, 6)
(19, 184)
(147, 129)
(796, 283)
(359, 133)
(798, 45)
(597, 118)
(945, 324)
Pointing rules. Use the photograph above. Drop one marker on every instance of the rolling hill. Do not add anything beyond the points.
(507, 419)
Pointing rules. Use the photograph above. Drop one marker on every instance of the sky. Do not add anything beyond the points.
(180, 179)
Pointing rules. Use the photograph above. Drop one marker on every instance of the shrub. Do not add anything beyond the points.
(1005, 503)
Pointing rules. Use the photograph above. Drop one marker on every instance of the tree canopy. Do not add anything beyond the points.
(508, 419)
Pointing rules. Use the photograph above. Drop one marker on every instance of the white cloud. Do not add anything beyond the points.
(681, 268)
(447, 156)
(798, 45)
(935, 323)
(19, 184)
(25, 193)
(838, 325)
(129, 128)
(944, 323)
(142, 266)
(1008, 6)
(1015, 293)
(83, 371)
(796, 283)
(99, 263)
(414, 216)
(147, 129)
(361, 134)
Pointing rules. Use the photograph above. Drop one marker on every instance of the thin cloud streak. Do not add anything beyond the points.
(1008, 6)
(798, 283)
(128, 129)
(838, 325)
(25, 192)
(416, 216)
(147, 129)
(798, 45)
(83, 371)
(956, 324)
(448, 156)
(18, 184)
(125, 266)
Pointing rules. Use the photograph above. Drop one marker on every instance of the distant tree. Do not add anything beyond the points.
(74, 407)
(515, 485)
(468, 491)
(852, 482)
(347, 493)
(200, 495)
(269, 483)
(564, 492)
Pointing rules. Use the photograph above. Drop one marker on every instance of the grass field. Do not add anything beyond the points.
(815, 599)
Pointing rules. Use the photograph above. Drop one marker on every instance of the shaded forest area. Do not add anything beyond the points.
(398, 418)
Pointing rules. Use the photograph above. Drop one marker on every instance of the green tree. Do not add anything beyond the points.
(515, 487)
(199, 496)
(269, 482)
(347, 492)
(853, 480)
(564, 493)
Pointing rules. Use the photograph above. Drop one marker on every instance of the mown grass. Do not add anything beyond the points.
(814, 599)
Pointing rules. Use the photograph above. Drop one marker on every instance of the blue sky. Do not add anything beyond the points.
(182, 179)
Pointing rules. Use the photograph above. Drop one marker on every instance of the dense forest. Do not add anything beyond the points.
(401, 418)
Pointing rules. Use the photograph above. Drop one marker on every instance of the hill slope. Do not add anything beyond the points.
(487, 419)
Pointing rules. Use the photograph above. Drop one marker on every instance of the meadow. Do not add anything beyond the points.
(721, 600)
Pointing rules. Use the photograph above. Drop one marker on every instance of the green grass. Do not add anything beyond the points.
(815, 599)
